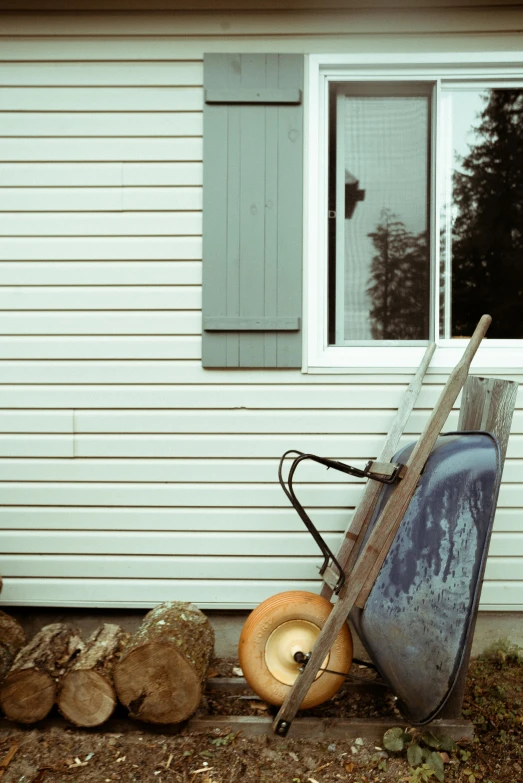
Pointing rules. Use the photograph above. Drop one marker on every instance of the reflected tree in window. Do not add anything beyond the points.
(399, 281)
(487, 232)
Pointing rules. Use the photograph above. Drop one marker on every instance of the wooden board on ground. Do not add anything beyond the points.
(317, 729)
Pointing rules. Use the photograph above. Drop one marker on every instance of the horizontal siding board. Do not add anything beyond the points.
(75, 175)
(85, 322)
(174, 470)
(162, 494)
(101, 124)
(234, 389)
(101, 347)
(148, 384)
(194, 567)
(100, 248)
(164, 543)
(36, 445)
(108, 74)
(208, 594)
(133, 99)
(180, 470)
(168, 519)
(159, 567)
(98, 199)
(100, 298)
(35, 421)
(71, 149)
(222, 543)
(235, 421)
(504, 568)
(250, 446)
(128, 593)
(238, 421)
(205, 495)
(85, 273)
(281, 388)
(195, 519)
(111, 224)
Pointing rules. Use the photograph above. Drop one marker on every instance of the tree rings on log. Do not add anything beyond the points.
(87, 696)
(161, 673)
(29, 690)
(12, 639)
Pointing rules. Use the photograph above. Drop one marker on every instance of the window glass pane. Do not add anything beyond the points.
(482, 211)
(381, 246)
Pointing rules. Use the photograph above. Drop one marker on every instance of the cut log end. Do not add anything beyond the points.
(27, 697)
(86, 698)
(158, 685)
(29, 689)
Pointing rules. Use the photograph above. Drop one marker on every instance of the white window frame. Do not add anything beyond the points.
(494, 356)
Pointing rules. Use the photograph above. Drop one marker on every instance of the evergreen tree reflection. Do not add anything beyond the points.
(399, 285)
(487, 232)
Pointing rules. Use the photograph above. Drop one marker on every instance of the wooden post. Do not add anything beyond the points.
(487, 404)
(355, 533)
(372, 556)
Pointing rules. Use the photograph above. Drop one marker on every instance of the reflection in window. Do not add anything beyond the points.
(379, 181)
(482, 211)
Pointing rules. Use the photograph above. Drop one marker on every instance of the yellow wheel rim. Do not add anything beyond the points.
(282, 645)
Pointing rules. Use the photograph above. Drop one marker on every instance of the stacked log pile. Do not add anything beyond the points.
(158, 673)
(28, 691)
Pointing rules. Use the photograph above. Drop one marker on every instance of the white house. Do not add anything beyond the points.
(132, 473)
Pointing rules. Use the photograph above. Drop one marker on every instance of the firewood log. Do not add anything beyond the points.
(161, 672)
(86, 694)
(12, 638)
(29, 689)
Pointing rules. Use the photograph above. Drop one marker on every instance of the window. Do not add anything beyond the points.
(415, 174)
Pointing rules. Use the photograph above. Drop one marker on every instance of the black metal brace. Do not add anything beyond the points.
(329, 559)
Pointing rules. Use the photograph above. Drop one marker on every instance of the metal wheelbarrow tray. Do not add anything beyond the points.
(419, 613)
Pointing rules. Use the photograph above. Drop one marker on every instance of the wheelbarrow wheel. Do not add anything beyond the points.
(273, 637)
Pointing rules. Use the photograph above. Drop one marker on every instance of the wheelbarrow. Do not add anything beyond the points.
(408, 573)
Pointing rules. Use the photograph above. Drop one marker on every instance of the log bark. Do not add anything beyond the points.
(29, 689)
(12, 639)
(161, 673)
(86, 695)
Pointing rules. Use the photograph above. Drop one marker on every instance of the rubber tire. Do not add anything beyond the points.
(269, 615)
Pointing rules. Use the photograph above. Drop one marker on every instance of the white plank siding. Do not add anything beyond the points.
(128, 474)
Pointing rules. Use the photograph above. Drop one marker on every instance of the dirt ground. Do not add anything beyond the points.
(52, 753)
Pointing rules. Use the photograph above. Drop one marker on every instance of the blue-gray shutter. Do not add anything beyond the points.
(252, 210)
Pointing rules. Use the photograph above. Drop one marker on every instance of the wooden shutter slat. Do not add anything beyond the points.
(239, 323)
